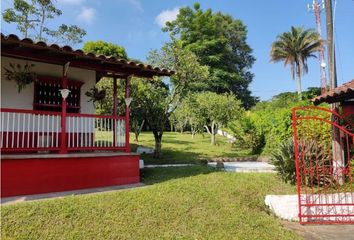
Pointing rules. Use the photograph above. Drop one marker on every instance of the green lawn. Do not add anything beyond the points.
(182, 203)
(181, 148)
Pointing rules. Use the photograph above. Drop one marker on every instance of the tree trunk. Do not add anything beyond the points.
(213, 133)
(171, 127)
(298, 86)
(206, 127)
(137, 130)
(41, 25)
(213, 141)
(158, 138)
(193, 131)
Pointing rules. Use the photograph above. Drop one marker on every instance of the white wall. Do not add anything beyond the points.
(10, 98)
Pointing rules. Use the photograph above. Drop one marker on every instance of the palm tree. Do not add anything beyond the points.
(294, 48)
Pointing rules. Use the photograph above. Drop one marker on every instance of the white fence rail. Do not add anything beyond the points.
(29, 130)
(26, 130)
(98, 132)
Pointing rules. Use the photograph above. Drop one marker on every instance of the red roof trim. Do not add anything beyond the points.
(67, 49)
(344, 89)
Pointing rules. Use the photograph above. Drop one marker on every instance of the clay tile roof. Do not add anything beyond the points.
(136, 68)
(345, 91)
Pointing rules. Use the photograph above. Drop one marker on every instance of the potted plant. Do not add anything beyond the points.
(22, 75)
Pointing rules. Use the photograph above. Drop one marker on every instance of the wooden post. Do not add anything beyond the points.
(127, 146)
(114, 110)
(338, 163)
(63, 146)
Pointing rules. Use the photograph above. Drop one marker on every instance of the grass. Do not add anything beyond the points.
(181, 148)
(183, 203)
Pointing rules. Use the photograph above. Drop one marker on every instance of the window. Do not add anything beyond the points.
(48, 98)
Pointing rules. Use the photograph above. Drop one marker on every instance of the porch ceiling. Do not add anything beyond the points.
(13, 46)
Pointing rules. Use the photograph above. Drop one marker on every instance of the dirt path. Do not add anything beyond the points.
(321, 232)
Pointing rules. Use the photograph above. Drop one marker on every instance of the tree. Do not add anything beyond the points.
(210, 111)
(137, 115)
(21, 14)
(246, 133)
(137, 120)
(33, 17)
(188, 114)
(105, 48)
(180, 117)
(220, 43)
(162, 99)
(216, 110)
(294, 48)
(108, 49)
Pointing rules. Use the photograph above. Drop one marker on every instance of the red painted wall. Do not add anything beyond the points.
(39, 175)
(348, 110)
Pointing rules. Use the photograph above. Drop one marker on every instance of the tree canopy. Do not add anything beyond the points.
(161, 98)
(294, 48)
(105, 48)
(219, 41)
(31, 20)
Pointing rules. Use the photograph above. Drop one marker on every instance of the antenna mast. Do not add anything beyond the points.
(316, 8)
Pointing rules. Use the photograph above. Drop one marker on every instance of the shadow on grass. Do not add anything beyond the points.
(174, 157)
(157, 175)
(188, 156)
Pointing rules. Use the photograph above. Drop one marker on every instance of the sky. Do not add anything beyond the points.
(136, 25)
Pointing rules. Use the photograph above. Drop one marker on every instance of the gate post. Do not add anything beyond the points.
(296, 151)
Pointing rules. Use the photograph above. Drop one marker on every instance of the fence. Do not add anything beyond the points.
(27, 130)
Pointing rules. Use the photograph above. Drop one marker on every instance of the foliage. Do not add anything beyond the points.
(294, 48)
(208, 110)
(284, 161)
(180, 117)
(216, 110)
(161, 99)
(283, 158)
(105, 48)
(246, 134)
(219, 41)
(187, 114)
(21, 15)
(96, 95)
(273, 118)
(33, 17)
(137, 116)
(191, 202)
(106, 84)
(67, 34)
(21, 75)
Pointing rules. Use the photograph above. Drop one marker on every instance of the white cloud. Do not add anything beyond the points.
(87, 15)
(166, 16)
(71, 2)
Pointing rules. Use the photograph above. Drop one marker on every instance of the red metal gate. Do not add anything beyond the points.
(324, 156)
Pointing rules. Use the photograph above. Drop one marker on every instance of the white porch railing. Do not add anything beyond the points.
(86, 131)
(27, 130)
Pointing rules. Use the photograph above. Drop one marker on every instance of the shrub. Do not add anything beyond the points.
(316, 162)
(246, 134)
(284, 161)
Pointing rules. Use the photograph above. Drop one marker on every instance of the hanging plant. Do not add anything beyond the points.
(22, 75)
(96, 95)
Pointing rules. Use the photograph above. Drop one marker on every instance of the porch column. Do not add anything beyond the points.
(127, 146)
(64, 93)
(114, 110)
